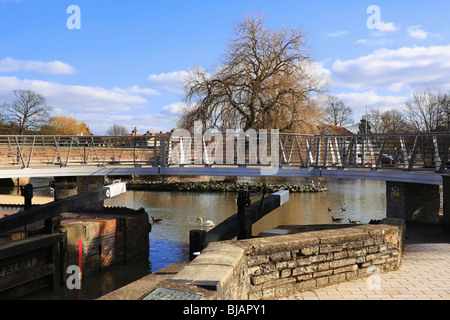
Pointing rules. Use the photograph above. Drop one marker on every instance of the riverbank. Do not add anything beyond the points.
(221, 186)
(8, 199)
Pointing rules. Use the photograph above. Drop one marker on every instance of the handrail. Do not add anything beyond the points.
(402, 151)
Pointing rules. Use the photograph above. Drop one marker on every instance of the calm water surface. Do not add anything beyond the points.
(169, 241)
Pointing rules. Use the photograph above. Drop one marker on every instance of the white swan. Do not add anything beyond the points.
(207, 223)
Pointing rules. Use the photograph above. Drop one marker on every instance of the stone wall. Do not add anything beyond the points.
(272, 267)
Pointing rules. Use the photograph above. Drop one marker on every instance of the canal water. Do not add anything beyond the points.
(363, 200)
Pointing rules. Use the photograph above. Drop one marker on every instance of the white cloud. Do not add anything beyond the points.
(142, 122)
(378, 42)
(52, 67)
(387, 27)
(173, 81)
(359, 100)
(73, 97)
(137, 90)
(416, 32)
(175, 108)
(338, 33)
(405, 68)
(147, 91)
(98, 107)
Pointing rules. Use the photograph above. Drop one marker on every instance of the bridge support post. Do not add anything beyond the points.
(89, 183)
(446, 201)
(412, 201)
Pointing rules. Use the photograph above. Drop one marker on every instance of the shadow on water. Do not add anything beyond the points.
(166, 252)
(95, 286)
(162, 253)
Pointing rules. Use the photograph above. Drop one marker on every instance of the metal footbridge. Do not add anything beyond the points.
(408, 157)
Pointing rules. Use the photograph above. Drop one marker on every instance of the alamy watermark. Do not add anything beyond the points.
(234, 147)
(374, 21)
(74, 20)
(74, 279)
(374, 280)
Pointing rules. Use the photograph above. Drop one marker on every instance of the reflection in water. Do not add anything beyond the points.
(169, 241)
(96, 285)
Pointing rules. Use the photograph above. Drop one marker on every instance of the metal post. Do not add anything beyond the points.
(243, 201)
(446, 200)
(197, 242)
(27, 193)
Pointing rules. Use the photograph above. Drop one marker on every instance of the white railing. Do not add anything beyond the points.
(407, 152)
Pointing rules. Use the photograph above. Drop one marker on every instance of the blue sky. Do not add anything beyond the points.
(125, 64)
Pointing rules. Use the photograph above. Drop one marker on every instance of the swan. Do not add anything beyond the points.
(207, 223)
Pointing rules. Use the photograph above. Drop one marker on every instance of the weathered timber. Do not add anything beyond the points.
(31, 243)
(52, 209)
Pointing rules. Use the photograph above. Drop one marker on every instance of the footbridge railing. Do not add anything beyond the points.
(404, 152)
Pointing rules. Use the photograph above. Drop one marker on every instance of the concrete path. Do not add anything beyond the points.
(424, 274)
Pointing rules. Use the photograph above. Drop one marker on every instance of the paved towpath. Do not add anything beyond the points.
(424, 273)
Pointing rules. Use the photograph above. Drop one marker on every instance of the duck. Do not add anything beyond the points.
(329, 209)
(353, 221)
(336, 219)
(158, 220)
(344, 208)
(207, 223)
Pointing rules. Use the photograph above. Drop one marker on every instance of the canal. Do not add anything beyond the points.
(362, 200)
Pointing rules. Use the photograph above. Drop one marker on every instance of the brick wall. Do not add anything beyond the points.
(107, 241)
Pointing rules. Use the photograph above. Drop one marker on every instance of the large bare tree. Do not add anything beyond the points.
(266, 80)
(29, 110)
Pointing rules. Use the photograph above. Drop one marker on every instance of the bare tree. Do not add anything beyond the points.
(393, 121)
(337, 113)
(390, 121)
(28, 110)
(444, 102)
(425, 112)
(116, 130)
(265, 81)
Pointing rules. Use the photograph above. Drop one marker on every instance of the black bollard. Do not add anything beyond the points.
(245, 228)
(27, 193)
(197, 240)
